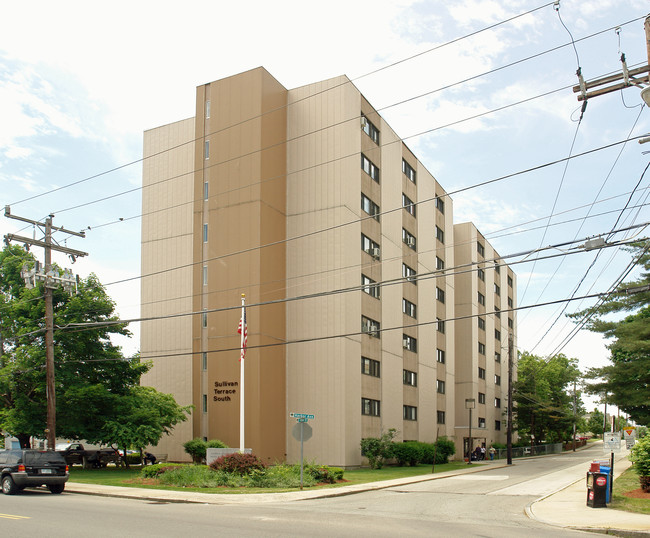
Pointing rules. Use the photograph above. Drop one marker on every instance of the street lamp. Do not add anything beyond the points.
(470, 403)
(645, 95)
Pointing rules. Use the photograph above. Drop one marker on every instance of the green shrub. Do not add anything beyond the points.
(199, 476)
(640, 457)
(445, 447)
(154, 471)
(499, 446)
(378, 449)
(196, 448)
(322, 473)
(216, 443)
(237, 463)
(278, 476)
(409, 453)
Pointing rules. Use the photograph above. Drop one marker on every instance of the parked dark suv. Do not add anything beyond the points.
(20, 469)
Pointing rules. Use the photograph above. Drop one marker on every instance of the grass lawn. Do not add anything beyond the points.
(628, 481)
(120, 476)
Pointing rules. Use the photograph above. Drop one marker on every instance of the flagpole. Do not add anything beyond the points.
(242, 445)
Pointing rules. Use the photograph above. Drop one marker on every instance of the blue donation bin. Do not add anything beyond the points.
(606, 469)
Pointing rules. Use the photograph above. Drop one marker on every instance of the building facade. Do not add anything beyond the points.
(307, 202)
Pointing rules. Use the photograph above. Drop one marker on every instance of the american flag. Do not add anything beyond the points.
(244, 328)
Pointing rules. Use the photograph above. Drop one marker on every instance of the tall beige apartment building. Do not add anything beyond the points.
(307, 202)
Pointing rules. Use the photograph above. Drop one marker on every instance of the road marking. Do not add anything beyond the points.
(477, 477)
(12, 516)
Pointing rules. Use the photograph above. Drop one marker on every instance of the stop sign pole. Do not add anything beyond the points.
(302, 432)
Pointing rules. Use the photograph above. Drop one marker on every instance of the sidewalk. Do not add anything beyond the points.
(565, 508)
(568, 508)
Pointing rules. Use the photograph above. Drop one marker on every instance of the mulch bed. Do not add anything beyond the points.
(637, 494)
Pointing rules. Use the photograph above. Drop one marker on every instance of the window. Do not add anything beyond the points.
(205, 275)
(440, 386)
(497, 379)
(408, 204)
(369, 168)
(370, 367)
(440, 356)
(409, 308)
(441, 417)
(497, 290)
(370, 407)
(440, 235)
(497, 312)
(481, 397)
(481, 373)
(510, 303)
(206, 188)
(481, 274)
(481, 298)
(408, 239)
(481, 422)
(369, 128)
(409, 273)
(511, 324)
(410, 343)
(204, 361)
(497, 268)
(207, 110)
(497, 334)
(370, 207)
(205, 233)
(481, 348)
(440, 264)
(497, 425)
(205, 403)
(204, 319)
(440, 325)
(509, 281)
(481, 323)
(497, 402)
(440, 204)
(410, 412)
(207, 150)
(440, 295)
(370, 286)
(480, 249)
(370, 326)
(369, 246)
(497, 357)
(410, 378)
(408, 170)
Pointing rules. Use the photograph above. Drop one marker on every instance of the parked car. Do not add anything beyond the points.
(20, 469)
(89, 458)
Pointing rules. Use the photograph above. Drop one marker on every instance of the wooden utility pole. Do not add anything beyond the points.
(631, 77)
(574, 415)
(51, 280)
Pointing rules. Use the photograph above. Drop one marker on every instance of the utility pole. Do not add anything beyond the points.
(574, 415)
(631, 77)
(509, 425)
(51, 279)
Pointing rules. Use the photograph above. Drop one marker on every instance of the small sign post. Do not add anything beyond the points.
(301, 432)
(611, 444)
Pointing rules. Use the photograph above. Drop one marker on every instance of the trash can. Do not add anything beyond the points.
(606, 469)
(597, 490)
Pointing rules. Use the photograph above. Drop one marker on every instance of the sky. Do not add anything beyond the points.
(81, 81)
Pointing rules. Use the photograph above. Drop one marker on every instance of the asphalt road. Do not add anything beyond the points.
(489, 503)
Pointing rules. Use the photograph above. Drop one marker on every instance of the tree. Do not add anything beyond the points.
(596, 422)
(627, 379)
(543, 395)
(96, 386)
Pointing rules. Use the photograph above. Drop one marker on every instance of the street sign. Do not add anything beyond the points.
(628, 435)
(301, 415)
(611, 441)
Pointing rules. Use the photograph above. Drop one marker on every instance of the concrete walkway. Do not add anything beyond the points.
(565, 508)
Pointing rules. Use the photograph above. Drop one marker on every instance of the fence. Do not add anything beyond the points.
(525, 451)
